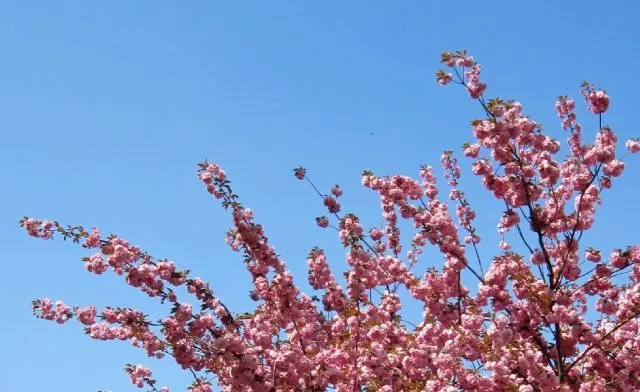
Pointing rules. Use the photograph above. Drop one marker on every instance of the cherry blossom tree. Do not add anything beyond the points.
(560, 316)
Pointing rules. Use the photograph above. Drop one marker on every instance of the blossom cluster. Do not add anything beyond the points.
(525, 323)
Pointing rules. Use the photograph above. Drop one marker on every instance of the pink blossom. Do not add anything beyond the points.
(614, 168)
(476, 88)
(322, 221)
(86, 316)
(598, 100)
(200, 386)
(138, 375)
(300, 172)
(332, 204)
(593, 255)
(443, 78)
(376, 234)
(93, 240)
(471, 150)
(95, 264)
(633, 145)
(39, 229)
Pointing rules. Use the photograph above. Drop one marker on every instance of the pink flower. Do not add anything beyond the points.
(39, 229)
(476, 88)
(564, 106)
(87, 316)
(332, 204)
(597, 100)
(443, 78)
(95, 264)
(300, 172)
(376, 234)
(200, 386)
(93, 240)
(633, 145)
(138, 375)
(43, 308)
(336, 191)
(322, 221)
(593, 255)
(183, 312)
(508, 220)
(537, 257)
(471, 150)
(614, 168)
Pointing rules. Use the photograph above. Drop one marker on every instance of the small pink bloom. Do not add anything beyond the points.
(87, 316)
(633, 145)
(322, 221)
(200, 386)
(95, 264)
(614, 168)
(138, 374)
(597, 100)
(376, 234)
(443, 78)
(471, 150)
(63, 312)
(300, 172)
(476, 88)
(593, 255)
(332, 204)
(537, 257)
(93, 240)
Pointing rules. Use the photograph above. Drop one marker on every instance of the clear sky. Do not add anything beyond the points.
(106, 107)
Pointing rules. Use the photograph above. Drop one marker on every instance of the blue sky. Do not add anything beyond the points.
(106, 107)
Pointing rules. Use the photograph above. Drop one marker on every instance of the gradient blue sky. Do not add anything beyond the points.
(106, 107)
